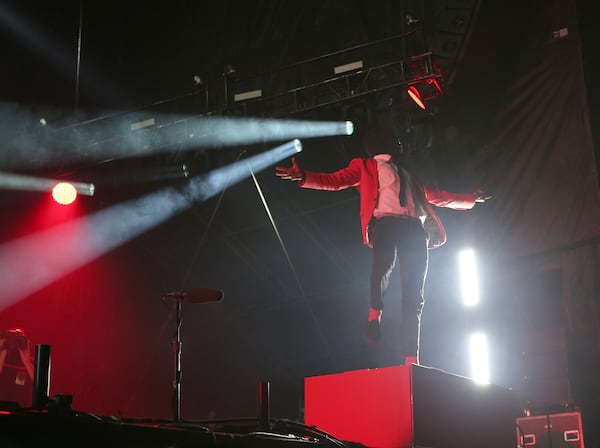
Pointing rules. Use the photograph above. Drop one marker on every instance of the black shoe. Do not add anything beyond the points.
(372, 332)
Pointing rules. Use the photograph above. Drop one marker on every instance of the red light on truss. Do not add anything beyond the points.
(414, 94)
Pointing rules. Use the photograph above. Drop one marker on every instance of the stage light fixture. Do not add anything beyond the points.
(230, 71)
(12, 181)
(414, 94)
(424, 80)
(410, 20)
(422, 91)
(64, 193)
(198, 81)
(349, 128)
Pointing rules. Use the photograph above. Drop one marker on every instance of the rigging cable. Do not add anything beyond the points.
(292, 268)
(78, 65)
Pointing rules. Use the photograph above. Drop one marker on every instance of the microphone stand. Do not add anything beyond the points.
(194, 295)
(176, 399)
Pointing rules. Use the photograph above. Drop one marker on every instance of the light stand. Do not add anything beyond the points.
(176, 400)
(192, 295)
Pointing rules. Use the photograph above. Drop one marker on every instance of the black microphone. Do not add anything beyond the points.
(195, 295)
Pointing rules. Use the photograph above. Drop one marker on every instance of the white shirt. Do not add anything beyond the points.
(388, 200)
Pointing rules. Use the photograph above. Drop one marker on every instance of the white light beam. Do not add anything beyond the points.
(30, 263)
(468, 277)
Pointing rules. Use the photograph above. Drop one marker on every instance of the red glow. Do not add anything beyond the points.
(372, 407)
(416, 96)
(64, 193)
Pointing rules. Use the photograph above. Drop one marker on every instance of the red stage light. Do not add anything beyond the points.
(64, 193)
(416, 96)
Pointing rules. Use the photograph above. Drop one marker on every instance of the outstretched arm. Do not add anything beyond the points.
(338, 180)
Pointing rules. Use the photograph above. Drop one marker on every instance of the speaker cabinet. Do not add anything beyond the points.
(409, 406)
(550, 431)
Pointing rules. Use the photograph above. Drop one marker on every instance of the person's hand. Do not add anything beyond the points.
(480, 196)
(292, 173)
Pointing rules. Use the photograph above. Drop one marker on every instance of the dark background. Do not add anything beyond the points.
(517, 118)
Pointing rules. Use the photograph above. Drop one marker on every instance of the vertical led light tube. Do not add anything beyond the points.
(478, 346)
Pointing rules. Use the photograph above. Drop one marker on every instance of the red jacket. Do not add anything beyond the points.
(362, 174)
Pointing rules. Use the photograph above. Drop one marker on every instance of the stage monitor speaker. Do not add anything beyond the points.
(550, 431)
(410, 406)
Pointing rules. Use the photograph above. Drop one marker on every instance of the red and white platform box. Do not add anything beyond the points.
(410, 406)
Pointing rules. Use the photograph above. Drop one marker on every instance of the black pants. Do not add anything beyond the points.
(401, 242)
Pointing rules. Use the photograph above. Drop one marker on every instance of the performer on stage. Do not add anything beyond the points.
(397, 221)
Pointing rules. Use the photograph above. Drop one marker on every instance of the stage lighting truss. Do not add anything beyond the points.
(373, 69)
(427, 81)
(336, 77)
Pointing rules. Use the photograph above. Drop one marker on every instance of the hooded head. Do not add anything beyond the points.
(380, 140)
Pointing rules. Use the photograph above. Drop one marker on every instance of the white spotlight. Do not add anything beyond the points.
(64, 193)
(349, 128)
(479, 358)
(13, 181)
(34, 261)
(468, 277)
(296, 145)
